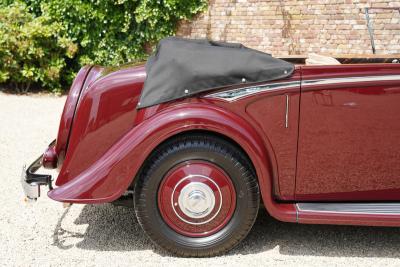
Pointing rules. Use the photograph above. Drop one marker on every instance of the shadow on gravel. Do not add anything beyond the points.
(110, 228)
(320, 240)
(61, 232)
(116, 229)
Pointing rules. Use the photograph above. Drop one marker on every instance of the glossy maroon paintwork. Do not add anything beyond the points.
(349, 136)
(69, 112)
(105, 112)
(50, 158)
(111, 174)
(268, 113)
(110, 139)
(199, 172)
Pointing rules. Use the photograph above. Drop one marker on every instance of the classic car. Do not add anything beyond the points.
(206, 133)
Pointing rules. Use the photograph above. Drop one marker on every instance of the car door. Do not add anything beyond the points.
(349, 133)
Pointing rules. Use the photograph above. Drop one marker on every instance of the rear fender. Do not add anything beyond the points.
(110, 176)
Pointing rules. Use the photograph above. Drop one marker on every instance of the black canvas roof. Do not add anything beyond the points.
(184, 67)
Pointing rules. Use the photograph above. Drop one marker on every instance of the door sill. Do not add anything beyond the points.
(373, 214)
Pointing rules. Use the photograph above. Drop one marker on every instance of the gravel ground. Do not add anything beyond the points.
(45, 233)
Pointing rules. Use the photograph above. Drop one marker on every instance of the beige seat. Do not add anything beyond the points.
(315, 59)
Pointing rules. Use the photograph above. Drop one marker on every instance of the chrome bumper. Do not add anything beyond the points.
(31, 181)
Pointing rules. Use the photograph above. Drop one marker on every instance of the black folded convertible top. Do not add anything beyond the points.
(184, 67)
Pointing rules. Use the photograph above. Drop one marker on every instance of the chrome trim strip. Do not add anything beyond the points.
(238, 93)
(351, 208)
(287, 112)
(351, 80)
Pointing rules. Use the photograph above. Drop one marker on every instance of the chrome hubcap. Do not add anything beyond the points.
(196, 200)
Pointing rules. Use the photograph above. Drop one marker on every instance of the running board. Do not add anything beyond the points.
(358, 208)
(374, 214)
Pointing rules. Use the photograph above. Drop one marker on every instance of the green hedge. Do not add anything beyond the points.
(62, 35)
(33, 50)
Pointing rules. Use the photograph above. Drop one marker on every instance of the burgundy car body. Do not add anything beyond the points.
(326, 134)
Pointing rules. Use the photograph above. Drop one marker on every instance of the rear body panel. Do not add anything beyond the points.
(69, 112)
(89, 177)
(105, 111)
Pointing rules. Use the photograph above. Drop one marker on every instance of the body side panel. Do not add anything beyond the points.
(349, 134)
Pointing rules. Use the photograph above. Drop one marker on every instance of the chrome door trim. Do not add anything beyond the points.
(287, 112)
(351, 80)
(238, 93)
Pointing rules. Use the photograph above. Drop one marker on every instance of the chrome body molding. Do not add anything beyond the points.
(238, 93)
(351, 80)
(351, 208)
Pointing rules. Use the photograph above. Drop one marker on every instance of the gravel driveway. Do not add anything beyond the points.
(44, 233)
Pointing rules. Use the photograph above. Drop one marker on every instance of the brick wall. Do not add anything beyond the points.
(299, 27)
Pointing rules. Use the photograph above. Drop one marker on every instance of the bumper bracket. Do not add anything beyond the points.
(31, 181)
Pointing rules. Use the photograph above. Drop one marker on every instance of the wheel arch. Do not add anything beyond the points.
(199, 131)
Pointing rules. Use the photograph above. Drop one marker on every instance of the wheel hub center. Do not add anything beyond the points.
(196, 200)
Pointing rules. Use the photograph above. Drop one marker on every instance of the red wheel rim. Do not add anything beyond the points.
(196, 198)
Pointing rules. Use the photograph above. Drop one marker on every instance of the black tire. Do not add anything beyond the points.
(197, 147)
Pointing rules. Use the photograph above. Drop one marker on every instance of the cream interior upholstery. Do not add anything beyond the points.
(315, 59)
